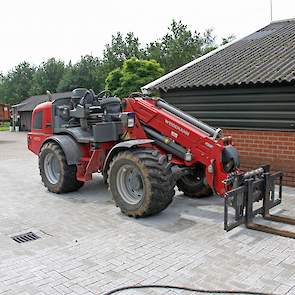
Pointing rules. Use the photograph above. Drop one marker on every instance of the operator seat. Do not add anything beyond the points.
(88, 98)
(77, 95)
(112, 107)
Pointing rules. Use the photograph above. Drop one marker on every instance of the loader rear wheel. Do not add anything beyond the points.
(56, 174)
(141, 182)
(194, 185)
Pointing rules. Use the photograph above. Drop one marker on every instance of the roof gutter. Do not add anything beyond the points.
(18, 105)
(283, 20)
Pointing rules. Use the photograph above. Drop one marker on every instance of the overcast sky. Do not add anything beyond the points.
(35, 30)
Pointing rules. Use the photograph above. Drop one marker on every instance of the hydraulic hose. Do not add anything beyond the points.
(201, 125)
(184, 289)
(165, 143)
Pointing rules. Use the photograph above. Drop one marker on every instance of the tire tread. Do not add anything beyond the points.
(158, 171)
(69, 182)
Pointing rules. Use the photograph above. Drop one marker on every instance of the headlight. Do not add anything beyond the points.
(230, 159)
(130, 120)
(229, 166)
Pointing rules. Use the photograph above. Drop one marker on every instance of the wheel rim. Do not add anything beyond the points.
(52, 168)
(130, 184)
(191, 179)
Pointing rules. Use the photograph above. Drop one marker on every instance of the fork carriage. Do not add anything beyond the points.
(252, 187)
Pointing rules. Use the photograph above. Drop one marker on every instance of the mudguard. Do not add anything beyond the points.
(69, 146)
(230, 153)
(123, 145)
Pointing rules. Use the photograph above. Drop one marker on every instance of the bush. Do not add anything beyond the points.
(133, 74)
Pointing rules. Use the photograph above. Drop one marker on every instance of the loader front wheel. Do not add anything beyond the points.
(141, 182)
(194, 185)
(56, 174)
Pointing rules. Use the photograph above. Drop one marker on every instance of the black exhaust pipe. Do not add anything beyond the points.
(215, 133)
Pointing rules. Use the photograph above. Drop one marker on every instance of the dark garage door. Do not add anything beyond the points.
(25, 121)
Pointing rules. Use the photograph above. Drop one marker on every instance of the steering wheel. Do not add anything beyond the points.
(104, 94)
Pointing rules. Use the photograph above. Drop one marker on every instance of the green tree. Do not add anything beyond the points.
(47, 76)
(180, 46)
(120, 50)
(85, 73)
(208, 42)
(132, 75)
(16, 85)
(228, 39)
(2, 89)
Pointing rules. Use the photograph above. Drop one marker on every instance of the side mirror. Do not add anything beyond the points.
(50, 97)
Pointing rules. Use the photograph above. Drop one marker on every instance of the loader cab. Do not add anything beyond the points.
(88, 117)
(42, 118)
(47, 120)
(61, 108)
(41, 126)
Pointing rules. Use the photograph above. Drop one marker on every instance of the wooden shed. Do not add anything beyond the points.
(4, 112)
(25, 108)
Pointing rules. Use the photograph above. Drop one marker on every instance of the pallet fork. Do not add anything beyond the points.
(254, 186)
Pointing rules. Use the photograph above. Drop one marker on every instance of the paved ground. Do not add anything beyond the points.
(88, 247)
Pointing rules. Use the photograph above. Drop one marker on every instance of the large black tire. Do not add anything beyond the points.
(63, 180)
(149, 189)
(194, 185)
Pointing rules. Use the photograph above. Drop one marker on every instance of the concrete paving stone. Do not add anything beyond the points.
(71, 274)
(152, 279)
(163, 266)
(69, 283)
(59, 281)
(6, 276)
(4, 289)
(159, 274)
(62, 289)
(285, 281)
(77, 289)
(30, 281)
(96, 288)
(48, 290)
(150, 267)
(84, 281)
(18, 279)
(282, 289)
(269, 285)
(88, 245)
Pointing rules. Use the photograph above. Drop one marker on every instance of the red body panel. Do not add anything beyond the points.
(203, 148)
(92, 160)
(37, 136)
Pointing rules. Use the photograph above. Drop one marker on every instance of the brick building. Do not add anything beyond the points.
(246, 87)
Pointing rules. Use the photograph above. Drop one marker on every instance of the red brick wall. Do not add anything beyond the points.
(257, 147)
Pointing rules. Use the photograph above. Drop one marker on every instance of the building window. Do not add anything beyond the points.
(38, 118)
